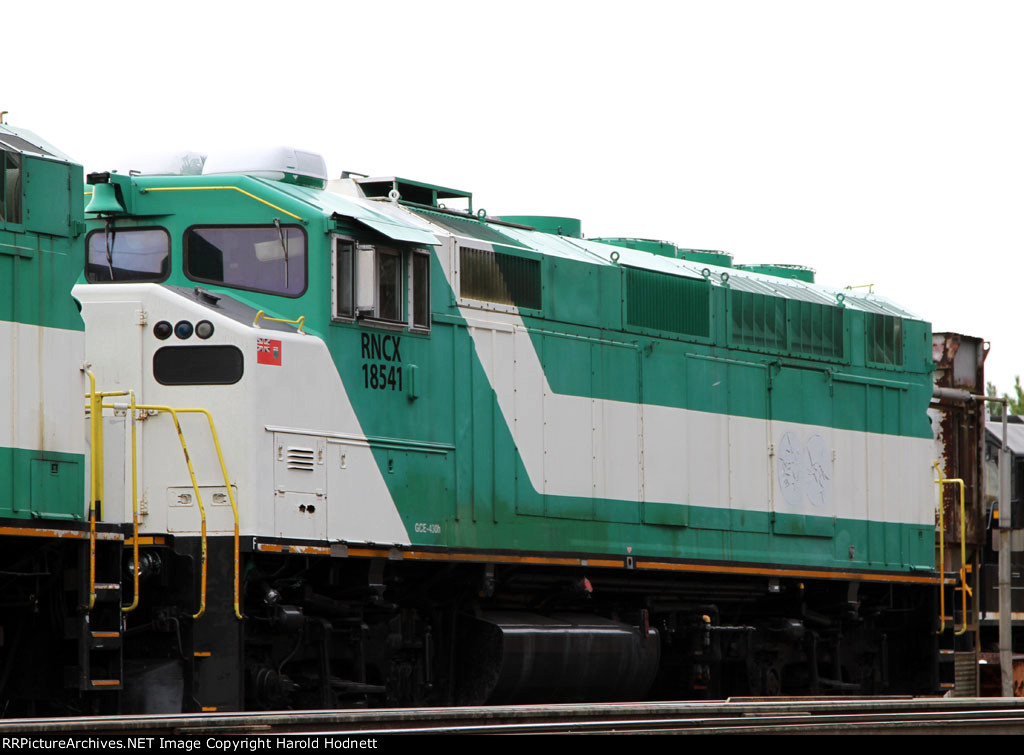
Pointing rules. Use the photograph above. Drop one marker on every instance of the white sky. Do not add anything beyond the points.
(877, 142)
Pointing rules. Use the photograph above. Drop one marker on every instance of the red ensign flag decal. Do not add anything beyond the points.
(268, 351)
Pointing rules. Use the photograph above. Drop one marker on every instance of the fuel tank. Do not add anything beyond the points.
(513, 657)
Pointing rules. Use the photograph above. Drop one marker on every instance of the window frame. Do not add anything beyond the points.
(129, 229)
(404, 278)
(414, 254)
(336, 241)
(400, 281)
(225, 284)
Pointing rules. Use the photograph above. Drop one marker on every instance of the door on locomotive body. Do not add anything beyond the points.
(728, 443)
(383, 447)
(712, 455)
(878, 470)
(300, 486)
(803, 456)
(351, 467)
(117, 321)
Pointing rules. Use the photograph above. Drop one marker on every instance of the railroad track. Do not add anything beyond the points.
(737, 716)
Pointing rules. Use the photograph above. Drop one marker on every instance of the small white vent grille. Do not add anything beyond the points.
(300, 458)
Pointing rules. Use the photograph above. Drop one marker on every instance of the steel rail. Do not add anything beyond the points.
(787, 716)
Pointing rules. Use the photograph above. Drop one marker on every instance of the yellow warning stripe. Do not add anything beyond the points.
(491, 558)
(147, 540)
(767, 571)
(61, 534)
(500, 559)
(367, 552)
(312, 550)
(619, 563)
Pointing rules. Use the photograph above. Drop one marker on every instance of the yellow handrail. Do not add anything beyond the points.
(223, 188)
(135, 519)
(261, 316)
(95, 472)
(965, 589)
(96, 408)
(227, 484)
(195, 487)
(942, 555)
(231, 497)
(94, 402)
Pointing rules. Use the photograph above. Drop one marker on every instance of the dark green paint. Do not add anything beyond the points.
(41, 484)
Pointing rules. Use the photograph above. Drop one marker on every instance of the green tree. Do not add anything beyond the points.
(1016, 403)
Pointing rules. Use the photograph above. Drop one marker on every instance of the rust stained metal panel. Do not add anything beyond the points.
(960, 431)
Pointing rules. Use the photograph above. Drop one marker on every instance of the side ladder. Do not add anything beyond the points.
(97, 631)
(958, 616)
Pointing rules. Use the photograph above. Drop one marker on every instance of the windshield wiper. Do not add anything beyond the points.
(284, 245)
(108, 237)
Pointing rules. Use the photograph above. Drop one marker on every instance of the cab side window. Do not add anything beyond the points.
(344, 283)
(268, 258)
(389, 284)
(380, 283)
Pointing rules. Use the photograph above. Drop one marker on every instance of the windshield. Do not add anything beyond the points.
(256, 258)
(127, 254)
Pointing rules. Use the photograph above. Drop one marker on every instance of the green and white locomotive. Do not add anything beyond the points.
(42, 438)
(353, 447)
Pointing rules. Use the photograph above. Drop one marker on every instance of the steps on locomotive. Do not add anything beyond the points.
(214, 642)
(957, 641)
(96, 633)
(958, 672)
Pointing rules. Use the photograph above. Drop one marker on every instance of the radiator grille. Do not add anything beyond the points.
(758, 320)
(667, 302)
(500, 278)
(883, 337)
(815, 329)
